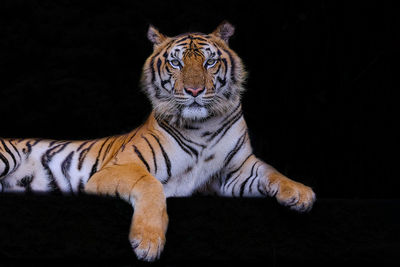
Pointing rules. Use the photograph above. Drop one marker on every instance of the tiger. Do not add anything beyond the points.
(195, 141)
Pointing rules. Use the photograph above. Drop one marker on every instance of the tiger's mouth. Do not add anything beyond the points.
(192, 102)
(194, 111)
(196, 105)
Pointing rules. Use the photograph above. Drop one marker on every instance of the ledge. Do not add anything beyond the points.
(91, 230)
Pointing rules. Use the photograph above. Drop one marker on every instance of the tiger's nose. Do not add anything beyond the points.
(194, 91)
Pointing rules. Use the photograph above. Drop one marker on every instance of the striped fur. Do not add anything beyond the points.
(195, 140)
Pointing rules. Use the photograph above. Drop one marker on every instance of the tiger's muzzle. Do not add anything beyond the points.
(194, 91)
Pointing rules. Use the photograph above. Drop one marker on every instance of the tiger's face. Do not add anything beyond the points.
(193, 76)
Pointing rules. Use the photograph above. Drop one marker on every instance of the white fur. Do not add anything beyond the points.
(194, 113)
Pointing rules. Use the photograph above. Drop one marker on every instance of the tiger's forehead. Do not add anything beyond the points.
(196, 44)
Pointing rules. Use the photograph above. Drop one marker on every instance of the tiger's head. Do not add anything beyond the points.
(193, 76)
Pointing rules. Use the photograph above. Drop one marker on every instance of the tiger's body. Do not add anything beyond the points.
(195, 140)
(183, 160)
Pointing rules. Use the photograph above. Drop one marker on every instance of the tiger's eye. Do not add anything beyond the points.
(175, 63)
(210, 62)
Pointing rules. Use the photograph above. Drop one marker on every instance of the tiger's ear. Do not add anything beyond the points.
(155, 36)
(224, 31)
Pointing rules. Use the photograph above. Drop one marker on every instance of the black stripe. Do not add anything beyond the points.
(243, 185)
(9, 152)
(199, 38)
(206, 133)
(65, 167)
(227, 94)
(62, 146)
(94, 166)
(233, 180)
(158, 92)
(16, 150)
(108, 148)
(191, 127)
(153, 72)
(184, 138)
(152, 152)
(139, 154)
(211, 157)
(168, 69)
(123, 142)
(164, 82)
(222, 81)
(81, 186)
(259, 190)
(7, 165)
(225, 127)
(45, 160)
(166, 158)
(84, 153)
(165, 54)
(81, 146)
(182, 39)
(188, 169)
(181, 44)
(52, 143)
(177, 133)
(232, 112)
(229, 175)
(29, 146)
(224, 123)
(237, 147)
(233, 66)
(29, 149)
(130, 139)
(26, 182)
(159, 67)
(191, 37)
(185, 147)
(231, 123)
(252, 181)
(225, 62)
(37, 141)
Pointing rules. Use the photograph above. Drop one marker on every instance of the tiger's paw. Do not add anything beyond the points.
(147, 243)
(296, 196)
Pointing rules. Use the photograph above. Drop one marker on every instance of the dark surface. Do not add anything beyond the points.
(93, 230)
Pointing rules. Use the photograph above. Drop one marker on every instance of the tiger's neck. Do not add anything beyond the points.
(203, 128)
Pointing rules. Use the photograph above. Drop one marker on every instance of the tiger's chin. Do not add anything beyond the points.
(194, 112)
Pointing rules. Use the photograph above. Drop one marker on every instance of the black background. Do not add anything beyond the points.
(320, 106)
(320, 92)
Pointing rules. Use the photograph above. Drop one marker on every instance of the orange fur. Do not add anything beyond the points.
(150, 219)
(292, 193)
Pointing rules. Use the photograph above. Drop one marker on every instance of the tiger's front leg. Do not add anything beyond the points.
(253, 177)
(137, 186)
